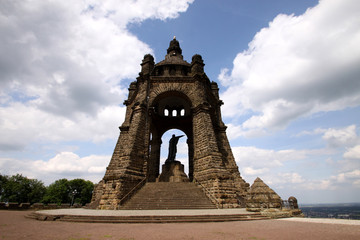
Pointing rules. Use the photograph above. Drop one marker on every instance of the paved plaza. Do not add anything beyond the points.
(13, 225)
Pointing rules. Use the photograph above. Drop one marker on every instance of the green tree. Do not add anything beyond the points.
(37, 192)
(57, 192)
(3, 181)
(81, 191)
(18, 188)
(65, 191)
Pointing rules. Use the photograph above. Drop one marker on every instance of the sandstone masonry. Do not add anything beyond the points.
(172, 94)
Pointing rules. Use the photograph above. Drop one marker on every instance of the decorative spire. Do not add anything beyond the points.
(174, 47)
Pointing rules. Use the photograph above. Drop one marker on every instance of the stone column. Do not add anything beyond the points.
(190, 144)
(154, 160)
(207, 158)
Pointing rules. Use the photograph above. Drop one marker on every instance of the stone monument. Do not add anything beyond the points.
(172, 170)
(172, 94)
(173, 148)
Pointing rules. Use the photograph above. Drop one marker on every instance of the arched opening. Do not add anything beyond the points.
(182, 153)
(170, 113)
(172, 104)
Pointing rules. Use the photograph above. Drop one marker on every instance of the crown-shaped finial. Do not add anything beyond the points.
(174, 46)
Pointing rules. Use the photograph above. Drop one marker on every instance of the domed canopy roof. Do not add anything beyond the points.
(173, 56)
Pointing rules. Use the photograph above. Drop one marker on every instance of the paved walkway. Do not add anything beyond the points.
(323, 220)
(186, 212)
(182, 212)
(13, 225)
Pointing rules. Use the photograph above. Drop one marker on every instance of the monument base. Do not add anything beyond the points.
(173, 172)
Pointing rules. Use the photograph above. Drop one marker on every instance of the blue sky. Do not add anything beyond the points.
(288, 73)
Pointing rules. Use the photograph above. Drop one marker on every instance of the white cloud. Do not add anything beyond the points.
(252, 171)
(234, 131)
(341, 181)
(24, 124)
(63, 66)
(270, 165)
(136, 11)
(291, 178)
(351, 159)
(68, 162)
(350, 177)
(63, 165)
(314, 132)
(318, 185)
(297, 66)
(280, 169)
(336, 137)
(341, 137)
(353, 153)
(258, 158)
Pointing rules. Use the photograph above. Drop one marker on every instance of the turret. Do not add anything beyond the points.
(197, 64)
(147, 64)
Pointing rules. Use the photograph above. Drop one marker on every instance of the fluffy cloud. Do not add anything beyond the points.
(350, 160)
(342, 180)
(270, 165)
(336, 137)
(346, 176)
(291, 178)
(63, 165)
(281, 169)
(64, 66)
(251, 171)
(258, 158)
(24, 125)
(68, 162)
(353, 153)
(318, 185)
(297, 66)
(341, 137)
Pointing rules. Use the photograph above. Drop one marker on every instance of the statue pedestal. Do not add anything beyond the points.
(173, 172)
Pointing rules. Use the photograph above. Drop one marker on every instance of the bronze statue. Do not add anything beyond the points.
(172, 148)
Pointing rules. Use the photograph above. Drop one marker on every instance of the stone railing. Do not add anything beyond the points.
(287, 205)
(208, 193)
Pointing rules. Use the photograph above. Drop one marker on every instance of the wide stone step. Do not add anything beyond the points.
(151, 207)
(177, 206)
(155, 219)
(169, 195)
(32, 215)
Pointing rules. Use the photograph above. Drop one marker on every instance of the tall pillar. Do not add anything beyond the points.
(190, 144)
(154, 160)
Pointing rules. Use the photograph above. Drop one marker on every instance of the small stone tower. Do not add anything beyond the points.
(172, 94)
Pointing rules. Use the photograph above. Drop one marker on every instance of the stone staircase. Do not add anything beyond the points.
(162, 196)
(169, 195)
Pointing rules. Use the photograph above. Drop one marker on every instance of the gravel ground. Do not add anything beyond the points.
(13, 225)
